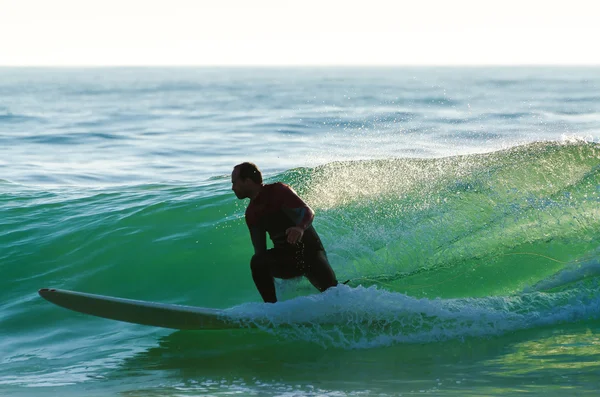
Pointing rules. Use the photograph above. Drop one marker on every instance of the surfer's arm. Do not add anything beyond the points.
(258, 234)
(259, 239)
(295, 207)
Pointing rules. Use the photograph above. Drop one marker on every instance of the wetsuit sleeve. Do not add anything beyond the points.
(298, 210)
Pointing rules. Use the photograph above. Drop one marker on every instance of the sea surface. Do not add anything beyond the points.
(463, 204)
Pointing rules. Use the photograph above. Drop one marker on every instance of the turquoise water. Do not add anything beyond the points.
(463, 204)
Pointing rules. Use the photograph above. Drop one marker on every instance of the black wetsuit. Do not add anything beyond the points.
(277, 208)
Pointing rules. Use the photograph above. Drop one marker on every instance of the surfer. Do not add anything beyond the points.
(276, 209)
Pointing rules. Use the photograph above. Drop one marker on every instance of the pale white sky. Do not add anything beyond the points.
(299, 32)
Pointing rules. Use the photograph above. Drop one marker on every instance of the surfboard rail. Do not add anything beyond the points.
(141, 312)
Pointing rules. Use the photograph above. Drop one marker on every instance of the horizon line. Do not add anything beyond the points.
(266, 66)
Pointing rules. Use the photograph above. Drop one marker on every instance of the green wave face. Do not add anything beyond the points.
(521, 224)
(476, 225)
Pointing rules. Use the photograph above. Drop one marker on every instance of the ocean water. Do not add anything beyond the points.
(463, 204)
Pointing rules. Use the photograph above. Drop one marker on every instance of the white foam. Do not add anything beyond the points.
(370, 317)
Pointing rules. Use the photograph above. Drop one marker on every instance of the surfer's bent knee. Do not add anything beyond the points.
(258, 262)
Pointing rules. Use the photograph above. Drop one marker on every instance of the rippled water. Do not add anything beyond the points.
(461, 203)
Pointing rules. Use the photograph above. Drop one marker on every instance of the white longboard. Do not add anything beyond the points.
(141, 312)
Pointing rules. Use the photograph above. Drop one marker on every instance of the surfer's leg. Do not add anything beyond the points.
(272, 263)
(319, 272)
(261, 265)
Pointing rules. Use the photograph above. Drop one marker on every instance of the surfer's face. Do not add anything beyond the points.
(239, 185)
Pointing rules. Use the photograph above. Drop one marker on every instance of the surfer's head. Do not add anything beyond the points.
(246, 180)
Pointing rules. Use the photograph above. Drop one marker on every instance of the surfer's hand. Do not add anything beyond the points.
(294, 234)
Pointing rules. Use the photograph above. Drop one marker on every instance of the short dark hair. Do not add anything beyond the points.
(249, 170)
